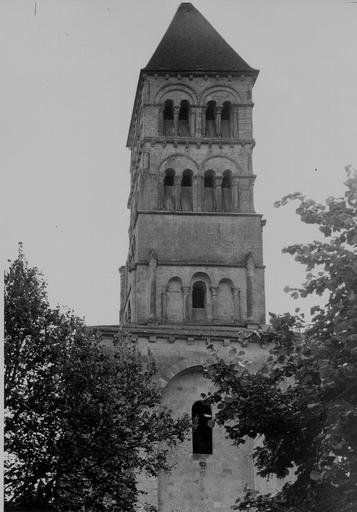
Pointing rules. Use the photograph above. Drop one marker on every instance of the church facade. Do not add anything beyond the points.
(194, 274)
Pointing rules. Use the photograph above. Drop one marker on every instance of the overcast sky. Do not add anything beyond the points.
(68, 79)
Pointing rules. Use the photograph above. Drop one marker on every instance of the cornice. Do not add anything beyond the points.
(196, 141)
(241, 333)
(187, 263)
(209, 214)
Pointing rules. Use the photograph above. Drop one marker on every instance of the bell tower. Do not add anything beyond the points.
(195, 252)
(194, 274)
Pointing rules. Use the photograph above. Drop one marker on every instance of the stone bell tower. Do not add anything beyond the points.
(194, 273)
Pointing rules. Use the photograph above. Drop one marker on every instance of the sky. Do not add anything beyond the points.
(68, 78)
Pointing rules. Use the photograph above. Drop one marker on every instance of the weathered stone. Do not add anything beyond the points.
(195, 273)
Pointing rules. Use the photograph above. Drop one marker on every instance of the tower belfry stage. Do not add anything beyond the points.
(194, 273)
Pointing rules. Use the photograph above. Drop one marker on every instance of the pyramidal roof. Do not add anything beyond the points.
(192, 44)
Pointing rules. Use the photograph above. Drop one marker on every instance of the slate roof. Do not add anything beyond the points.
(192, 44)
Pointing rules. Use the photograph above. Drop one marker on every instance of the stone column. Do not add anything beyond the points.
(161, 192)
(194, 193)
(250, 268)
(178, 180)
(133, 300)
(122, 273)
(164, 304)
(251, 194)
(176, 120)
(203, 121)
(186, 303)
(152, 288)
(199, 186)
(146, 160)
(235, 126)
(244, 195)
(192, 121)
(218, 192)
(236, 305)
(198, 122)
(250, 159)
(235, 193)
(219, 121)
(160, 120)
(214, 293)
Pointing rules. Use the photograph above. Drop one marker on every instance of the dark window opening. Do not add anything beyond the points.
(169, 117)
(208, 202)
(211, 119)
(169, 178)
(186, 179)
(183, 120)
(202, 428)
(169, 195)
(186, 191)
(198, 295)
(226, 119)
(209, 180)
(227, 192)
(227, 179)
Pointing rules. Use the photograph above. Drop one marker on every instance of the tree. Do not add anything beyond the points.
(303, 401)
(81, 420)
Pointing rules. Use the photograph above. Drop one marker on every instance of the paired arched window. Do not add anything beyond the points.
(211, 196)
(219, 124)
(201, 428)
(178, 125)
(183, 198)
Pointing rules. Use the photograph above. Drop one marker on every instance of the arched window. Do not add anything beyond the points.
(169, 190)
(208, 192)
(201, 428)
(184, 119)
(227, 191)
(168, 114)
(211, 130)
(199, 301)
(186, 191)
(226, 128)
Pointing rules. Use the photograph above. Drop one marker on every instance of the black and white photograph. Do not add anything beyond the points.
(179, 248)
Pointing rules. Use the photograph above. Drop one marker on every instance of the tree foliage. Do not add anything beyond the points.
(81, 420)
(303, 401)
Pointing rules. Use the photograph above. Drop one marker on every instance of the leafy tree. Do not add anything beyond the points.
(81, 420)
(303, 401)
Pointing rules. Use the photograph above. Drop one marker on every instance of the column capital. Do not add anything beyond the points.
(214, 290)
